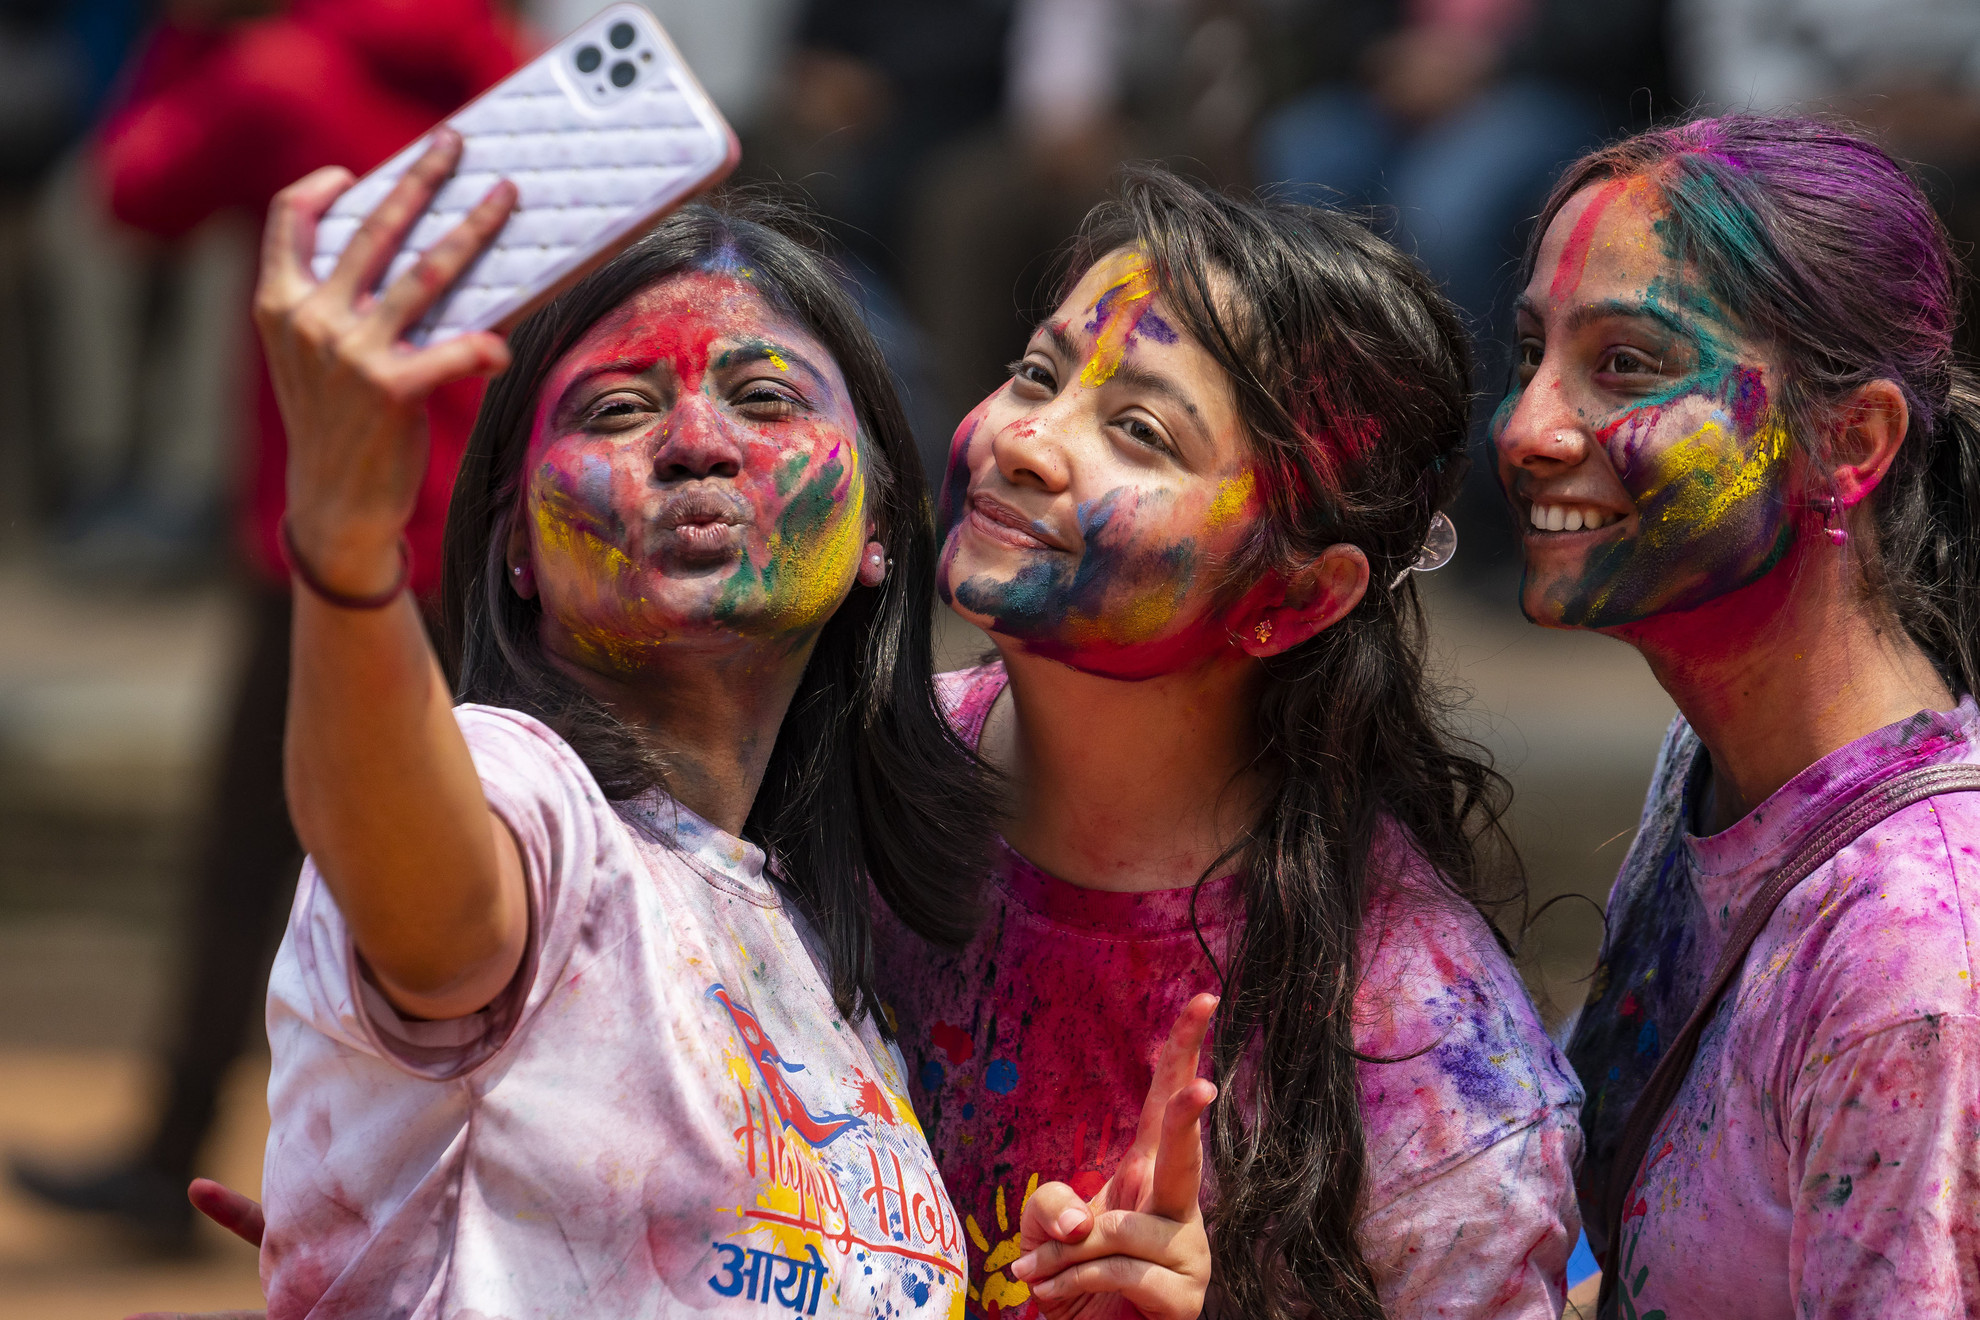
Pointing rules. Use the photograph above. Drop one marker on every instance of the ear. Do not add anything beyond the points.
(522, 572)
(1873, 422)
(873, 564)
(1313, 598)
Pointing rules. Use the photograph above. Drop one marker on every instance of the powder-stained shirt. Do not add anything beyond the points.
(665, 1116)
(1031, 1051)
(1823, 1156)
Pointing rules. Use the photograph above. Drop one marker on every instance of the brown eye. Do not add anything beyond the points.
(1033, 374)
(762, 399)
(1628, 362)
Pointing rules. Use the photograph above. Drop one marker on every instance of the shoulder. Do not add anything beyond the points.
(967, 695)
(1883, 933)
(1457, 1058)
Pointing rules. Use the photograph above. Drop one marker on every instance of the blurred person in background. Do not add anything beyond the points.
(229, 101)
(1088, 84)
(1457, 114)
(1909, 70)
(871, 93)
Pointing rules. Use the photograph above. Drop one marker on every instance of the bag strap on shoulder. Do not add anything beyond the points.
(1823, 841)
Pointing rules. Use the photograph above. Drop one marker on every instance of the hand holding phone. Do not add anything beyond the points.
(601, 135)
(352, 392)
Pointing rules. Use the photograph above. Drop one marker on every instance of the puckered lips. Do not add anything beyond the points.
(699, 525)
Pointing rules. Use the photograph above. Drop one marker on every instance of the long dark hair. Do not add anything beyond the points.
(1351, 377)
(1823, 248)
(866, 778)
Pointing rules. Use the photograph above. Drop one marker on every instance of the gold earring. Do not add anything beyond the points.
(1263, 632)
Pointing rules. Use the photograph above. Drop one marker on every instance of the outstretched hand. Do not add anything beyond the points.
(352, 391)
(1140, 1242)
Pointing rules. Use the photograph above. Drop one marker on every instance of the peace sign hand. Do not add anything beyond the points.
(352, 391)
(1139, 1247)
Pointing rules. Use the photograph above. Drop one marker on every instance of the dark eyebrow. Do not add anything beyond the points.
(1156, 383)
(1624, 307)
(760, 350)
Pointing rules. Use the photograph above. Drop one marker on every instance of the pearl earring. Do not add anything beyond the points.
(1832, 522)
(517, 570)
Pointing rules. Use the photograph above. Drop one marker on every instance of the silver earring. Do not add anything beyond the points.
(517, 570)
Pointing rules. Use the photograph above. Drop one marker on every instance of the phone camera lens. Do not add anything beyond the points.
(589, 58)
(621, 35)
(623, 73)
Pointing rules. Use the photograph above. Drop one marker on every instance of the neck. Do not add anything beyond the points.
(711, 716)
(1775, 676)
(1127, 786)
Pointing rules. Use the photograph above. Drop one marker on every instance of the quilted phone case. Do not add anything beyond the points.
(601, 134)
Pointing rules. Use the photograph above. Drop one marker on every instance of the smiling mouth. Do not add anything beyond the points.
(999, 522)
(1568, 517)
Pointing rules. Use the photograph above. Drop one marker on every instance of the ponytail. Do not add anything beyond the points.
(1929, 535)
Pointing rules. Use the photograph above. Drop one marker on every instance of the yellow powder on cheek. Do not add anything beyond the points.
(570, 553)
(812, 577)
(1703, 479)
(1233, 497)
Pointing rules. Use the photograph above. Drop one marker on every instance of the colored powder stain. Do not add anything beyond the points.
(1574, 255)
(1001, 1077)
(1115, 316)
(1646, 1040)
(954, 1042)
(790, 471)
(916, 1287)
(1233, 497)
(932, 1076)
(778, 362)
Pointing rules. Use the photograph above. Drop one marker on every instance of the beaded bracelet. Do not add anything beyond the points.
(330, 595)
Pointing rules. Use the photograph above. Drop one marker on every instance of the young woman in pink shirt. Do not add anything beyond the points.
(1188, 523)
(1743, 444)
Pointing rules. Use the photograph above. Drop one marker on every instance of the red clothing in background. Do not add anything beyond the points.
(224, 118)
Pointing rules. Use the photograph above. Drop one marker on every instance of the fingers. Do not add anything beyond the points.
(1178, 1177)
(1177, 1066)
(1158, 1241)
(416, 374)
(413, 292)
(238, 1214)
(379, 238)
(289, 237)
(1053, 1212)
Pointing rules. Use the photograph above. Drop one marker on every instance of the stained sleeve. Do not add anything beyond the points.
(1884, 1162)
(534, 783)
(1488, 1238)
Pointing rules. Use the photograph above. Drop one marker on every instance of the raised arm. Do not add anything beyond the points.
(380, 784)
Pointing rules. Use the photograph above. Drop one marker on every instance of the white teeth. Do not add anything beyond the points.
(1568, 517)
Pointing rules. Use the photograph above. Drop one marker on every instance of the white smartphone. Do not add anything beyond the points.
(602, 134)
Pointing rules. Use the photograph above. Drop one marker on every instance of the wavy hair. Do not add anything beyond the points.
(866, 778)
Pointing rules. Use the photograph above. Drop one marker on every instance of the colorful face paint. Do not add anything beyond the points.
(694, 471)
(1641, 444)
(1090, 503)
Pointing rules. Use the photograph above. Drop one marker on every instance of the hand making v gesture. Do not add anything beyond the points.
(1139, 1246)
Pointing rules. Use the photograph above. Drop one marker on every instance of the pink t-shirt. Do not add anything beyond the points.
(1823, 1156)
(665, 1116)
(1030, 1053)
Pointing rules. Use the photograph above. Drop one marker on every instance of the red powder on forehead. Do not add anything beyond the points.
(1574, 257)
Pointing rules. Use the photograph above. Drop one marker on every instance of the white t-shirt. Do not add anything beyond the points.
(665, 1115)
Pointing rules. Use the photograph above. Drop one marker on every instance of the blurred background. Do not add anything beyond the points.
(949, 146)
